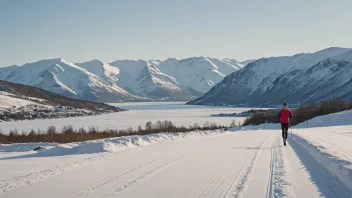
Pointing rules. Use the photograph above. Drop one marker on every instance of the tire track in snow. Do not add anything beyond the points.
(118, 178)
(241, 185)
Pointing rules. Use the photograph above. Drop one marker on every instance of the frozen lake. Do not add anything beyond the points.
(139, 114)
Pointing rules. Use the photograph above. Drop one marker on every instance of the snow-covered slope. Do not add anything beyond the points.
(226, 66)
(330, 78)
(10, 100)
(154, 83)
(299, 78)
(66, 78)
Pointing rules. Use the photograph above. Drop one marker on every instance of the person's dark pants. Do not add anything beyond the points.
(284, 127)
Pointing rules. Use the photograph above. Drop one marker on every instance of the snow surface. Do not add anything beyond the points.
(315, 163)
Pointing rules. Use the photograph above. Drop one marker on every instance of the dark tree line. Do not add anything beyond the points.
(69, 134)
(301, 114)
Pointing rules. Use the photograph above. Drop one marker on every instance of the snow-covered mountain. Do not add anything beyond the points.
(301, 78)
(65, 78)
(182, 78)
(145, 79)
(197, 75)
(103, 70)
(123, 79)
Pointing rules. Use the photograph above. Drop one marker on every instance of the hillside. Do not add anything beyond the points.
(20, 102)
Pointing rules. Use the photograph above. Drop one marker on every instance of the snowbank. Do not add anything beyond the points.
(335, 163)
(103, 145)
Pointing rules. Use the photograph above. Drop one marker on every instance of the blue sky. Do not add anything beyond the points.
(82, 30)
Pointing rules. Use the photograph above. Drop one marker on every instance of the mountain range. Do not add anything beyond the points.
(124, 80)
(298, 79)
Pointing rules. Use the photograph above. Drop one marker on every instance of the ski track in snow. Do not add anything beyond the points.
(278, 182)
(230, 173)
(227, 172)
(241, 185)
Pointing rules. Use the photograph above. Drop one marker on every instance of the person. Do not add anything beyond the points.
(285, 116)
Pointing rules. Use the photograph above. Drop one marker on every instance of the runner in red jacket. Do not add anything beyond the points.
(285, 117)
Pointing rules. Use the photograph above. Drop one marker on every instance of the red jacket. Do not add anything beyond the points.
(285, 116)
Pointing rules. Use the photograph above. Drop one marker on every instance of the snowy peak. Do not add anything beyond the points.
(101, 69)
(154, 83)
(246, 62)
(198, 63)
(196, 74)
(95, 67)
(130, 65)
(154, 63)
(226, 66)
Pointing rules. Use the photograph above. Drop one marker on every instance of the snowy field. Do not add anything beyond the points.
(317, 162)
(139, 114)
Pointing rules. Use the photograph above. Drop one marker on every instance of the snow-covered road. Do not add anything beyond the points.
(237, 164)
